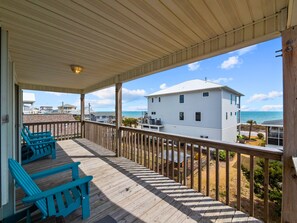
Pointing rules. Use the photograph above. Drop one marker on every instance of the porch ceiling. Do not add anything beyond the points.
(126, 39)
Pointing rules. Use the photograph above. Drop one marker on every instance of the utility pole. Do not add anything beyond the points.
(89, 111)
(62, 110)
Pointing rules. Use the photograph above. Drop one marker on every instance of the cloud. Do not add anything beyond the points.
(221, 80)
(272, 108)
(193, 66)
(163, 86)
(106, 96)
(136, 108)
(55, 93)
(230, 63)
(245, 50)
(245, 108)
(264, 97)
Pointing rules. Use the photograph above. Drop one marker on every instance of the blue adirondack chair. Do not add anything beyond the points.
(58, 201)
(34, 149)
(31, 135)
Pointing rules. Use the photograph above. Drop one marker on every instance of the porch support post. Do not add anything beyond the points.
(289, 186)
(118, 108)
(82, 115)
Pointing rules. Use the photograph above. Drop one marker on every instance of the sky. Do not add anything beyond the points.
(254, 71)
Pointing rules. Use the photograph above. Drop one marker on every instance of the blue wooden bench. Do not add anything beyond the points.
(58, 201)
(34, 149)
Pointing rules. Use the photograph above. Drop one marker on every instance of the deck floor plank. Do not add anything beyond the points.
(129, 192)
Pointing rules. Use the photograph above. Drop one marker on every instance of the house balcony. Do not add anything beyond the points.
(142, 184)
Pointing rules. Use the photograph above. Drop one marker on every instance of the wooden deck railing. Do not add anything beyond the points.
(60, 130)
(156, 150)
(101, 134)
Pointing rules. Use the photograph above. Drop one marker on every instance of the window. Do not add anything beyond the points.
(153, 113)
(231, 98)
(235, 113)
(181, 98)
(205, 94)
(226, 115)
(198, 116)
(152, 100)
(181, 116)
(159, 99)
(235, 100)
(230, 113)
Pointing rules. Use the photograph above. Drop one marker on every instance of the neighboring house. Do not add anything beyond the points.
(274, 132)
(66, 108)
(28, 103)
(103, 117)
(196, 108)
(45, 109)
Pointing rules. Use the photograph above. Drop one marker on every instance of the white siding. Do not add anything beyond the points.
(169, 107)
(229, 126)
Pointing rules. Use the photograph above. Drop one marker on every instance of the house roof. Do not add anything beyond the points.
(118, 41)
(34, 118)
(67, 106)
(193, 85)
(28, 97)
(278, 122)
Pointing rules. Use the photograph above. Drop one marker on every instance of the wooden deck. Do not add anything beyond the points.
(128, 192)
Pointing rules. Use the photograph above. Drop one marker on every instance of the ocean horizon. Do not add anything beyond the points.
(258, 116)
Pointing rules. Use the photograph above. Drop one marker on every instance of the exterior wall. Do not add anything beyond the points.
(169, 107)
(229, 125)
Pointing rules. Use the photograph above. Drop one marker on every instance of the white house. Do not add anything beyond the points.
(196, 108)
(28, 103)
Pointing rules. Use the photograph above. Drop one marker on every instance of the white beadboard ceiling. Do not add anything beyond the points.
(120, 40)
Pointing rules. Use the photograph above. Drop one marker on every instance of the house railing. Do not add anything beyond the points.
(101, 134)
(156, 151)
(61, 130)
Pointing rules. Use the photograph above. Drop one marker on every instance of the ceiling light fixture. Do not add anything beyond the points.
(76, 68)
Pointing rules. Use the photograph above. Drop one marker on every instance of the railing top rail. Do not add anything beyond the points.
(102, 124)
(263, 152)
(43, 123)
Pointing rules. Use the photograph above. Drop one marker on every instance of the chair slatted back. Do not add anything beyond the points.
(23, 179)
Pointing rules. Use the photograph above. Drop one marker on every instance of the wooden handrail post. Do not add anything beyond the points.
(118, 108)
(289, 48)
(82, 115)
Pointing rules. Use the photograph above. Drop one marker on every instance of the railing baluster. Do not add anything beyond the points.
(238, 181)
(178, 161)
(157, 155)
(141, 150)
(162, 156)
(199, 168)
(172, 159)
(217, 174)
(192, 166)
(153, 153)
(167, 157)
(138, 149)
(266, 190)
(145, 150)
(227, 177)
(134, 146)
(252, 185)
(207, 170)
(185, 166)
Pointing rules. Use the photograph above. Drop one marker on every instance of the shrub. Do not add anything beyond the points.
(260, 135)
(222, 155)
(130, 122)
(245, 137)
(275, 179)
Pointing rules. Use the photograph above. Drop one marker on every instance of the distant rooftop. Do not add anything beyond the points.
(193, 85)
(30, 118)
(28, 97)
(279, 122)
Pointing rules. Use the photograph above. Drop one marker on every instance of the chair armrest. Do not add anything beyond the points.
(45, 139)
(56, 190)
(41, 133)
(59, 169)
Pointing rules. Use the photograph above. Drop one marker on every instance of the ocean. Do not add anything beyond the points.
(258, 116)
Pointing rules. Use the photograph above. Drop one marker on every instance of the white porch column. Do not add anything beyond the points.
(82, 114)
(118, 109)
(289, 48)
